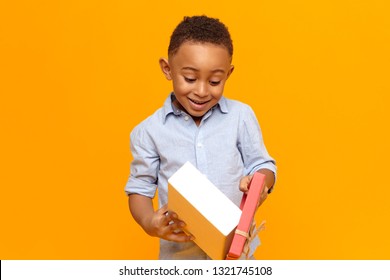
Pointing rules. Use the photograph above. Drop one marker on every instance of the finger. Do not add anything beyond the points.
(243, 188)
(175, 232)
(176, 225)
(264, 196)
(167, 215)
(171, 217)
(163, 209)
(179, 237)
(244, 184)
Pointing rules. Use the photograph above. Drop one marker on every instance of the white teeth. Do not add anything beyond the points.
(196, 102)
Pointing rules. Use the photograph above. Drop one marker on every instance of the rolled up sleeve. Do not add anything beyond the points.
(144, 167)
(254, 153)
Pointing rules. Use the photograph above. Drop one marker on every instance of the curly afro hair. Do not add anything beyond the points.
(200, 29)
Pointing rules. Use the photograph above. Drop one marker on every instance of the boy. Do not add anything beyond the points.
(221, 137)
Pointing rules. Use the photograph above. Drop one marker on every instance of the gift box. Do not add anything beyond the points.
(210, 216)
(246, 229)
(221, 229)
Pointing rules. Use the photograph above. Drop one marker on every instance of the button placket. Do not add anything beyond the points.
(201, 156)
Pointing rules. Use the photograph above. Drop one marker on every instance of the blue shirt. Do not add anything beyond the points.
(226, 146)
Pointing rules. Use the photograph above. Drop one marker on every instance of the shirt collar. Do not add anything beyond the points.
(169, 108)
(223, 105)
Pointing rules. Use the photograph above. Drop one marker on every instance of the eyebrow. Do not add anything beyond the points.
(197, 70)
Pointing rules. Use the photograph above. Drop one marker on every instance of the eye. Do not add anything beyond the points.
(189, 80)
(214, 83)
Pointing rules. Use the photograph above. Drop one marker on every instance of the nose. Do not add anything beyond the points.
(201, 89)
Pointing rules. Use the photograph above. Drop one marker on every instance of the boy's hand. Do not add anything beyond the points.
(166, 224)
(244, 183)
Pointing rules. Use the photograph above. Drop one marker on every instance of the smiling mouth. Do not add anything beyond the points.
(198, 102)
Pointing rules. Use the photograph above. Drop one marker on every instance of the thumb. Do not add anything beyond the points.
(244, 183)
(163, 209)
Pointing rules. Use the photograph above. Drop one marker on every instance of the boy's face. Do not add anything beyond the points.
(198, 72)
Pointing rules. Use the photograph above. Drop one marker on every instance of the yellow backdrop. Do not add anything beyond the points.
(77, 76)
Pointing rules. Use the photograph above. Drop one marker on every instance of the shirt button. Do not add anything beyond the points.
(200, 145)
(186, 118)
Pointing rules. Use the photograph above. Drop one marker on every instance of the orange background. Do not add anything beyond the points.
(77, 76)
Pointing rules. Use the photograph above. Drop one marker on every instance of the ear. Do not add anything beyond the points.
(230, 71)
(165, 68)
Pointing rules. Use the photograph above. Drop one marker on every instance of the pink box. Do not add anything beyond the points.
(249, 204)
